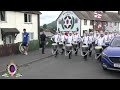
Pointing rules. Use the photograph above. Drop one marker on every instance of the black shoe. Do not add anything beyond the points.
(85, 57)
(89, 55)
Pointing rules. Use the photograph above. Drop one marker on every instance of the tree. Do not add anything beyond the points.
(45, 26)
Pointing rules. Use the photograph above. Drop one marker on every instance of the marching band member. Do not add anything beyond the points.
(101, 41)
(62, 40)
(93, 38)
(85, 41)
(70, 38)
(79, 39)
(96, 39)
(75, 40)
(110, 36)
(90, 41)
(106, 37)
(56, 38)
(75, 37)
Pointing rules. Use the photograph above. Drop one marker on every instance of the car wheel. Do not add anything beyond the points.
(103, 66)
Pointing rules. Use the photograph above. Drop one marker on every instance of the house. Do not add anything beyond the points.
(113, 24)
(12, 24)
(82, 21)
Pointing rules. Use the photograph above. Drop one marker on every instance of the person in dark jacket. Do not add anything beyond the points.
(43, 41)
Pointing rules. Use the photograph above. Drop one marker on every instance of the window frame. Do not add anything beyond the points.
(10, 41)
(91, 22)
(85, 21)
(29, 18)
(115, 24)
(4, 16)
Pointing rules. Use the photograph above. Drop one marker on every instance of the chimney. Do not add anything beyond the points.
(119, 12)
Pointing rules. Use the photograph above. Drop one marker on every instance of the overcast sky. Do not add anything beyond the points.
(48, 16)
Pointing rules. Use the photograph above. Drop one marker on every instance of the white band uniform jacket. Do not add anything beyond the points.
(79, 38)
(106, 37)
(70, 39)
(96, 39)
(75, 38)
(101, 41)
(56, 38)
(91, 39)
(85, 40)
(62, 38)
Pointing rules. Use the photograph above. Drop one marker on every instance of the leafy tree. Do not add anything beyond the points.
(45, 26)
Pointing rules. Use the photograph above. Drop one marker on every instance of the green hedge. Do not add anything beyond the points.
(49, 42)
(33, 45)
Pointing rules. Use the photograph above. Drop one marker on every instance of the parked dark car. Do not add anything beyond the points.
(110, 58)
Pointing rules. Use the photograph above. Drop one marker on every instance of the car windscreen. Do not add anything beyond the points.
(115, 42)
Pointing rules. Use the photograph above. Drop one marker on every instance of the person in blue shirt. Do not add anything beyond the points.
(25, 41)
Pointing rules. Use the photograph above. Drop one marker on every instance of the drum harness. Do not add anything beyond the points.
(86, 52)
(53, 52)
(96, 57)
(70, 51)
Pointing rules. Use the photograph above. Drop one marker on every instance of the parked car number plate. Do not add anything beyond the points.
(117, 65)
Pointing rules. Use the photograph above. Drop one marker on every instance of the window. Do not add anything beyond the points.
(115, 23)
(9, 39)
(27, 18)
(2, 15)
(85, 22)
(91, 22)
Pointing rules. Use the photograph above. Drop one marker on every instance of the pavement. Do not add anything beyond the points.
(21, 60)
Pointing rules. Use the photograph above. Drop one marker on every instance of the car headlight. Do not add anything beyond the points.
(104, 55)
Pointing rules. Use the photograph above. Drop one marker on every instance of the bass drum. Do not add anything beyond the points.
(75, 45)
(54, 45)
(60, 45)
(98, 49)
(85, 48)
(68, 47)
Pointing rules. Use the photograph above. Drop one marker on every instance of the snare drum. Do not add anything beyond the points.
(98, 49)
(75, 45)
(60, 45)
(68, 47)
(85, 48)
(54, 45)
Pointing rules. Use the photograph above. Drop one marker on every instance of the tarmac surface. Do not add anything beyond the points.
(63, 68)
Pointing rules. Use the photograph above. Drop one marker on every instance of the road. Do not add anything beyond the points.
(64, 68)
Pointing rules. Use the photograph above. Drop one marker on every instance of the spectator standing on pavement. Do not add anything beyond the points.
(25, 41)
(43, 41)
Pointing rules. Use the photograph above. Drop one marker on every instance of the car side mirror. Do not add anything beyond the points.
(107, 43)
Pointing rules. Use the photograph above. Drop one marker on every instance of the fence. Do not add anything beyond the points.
(8, 49)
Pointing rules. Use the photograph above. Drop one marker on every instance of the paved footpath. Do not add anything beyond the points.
(24, 59)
